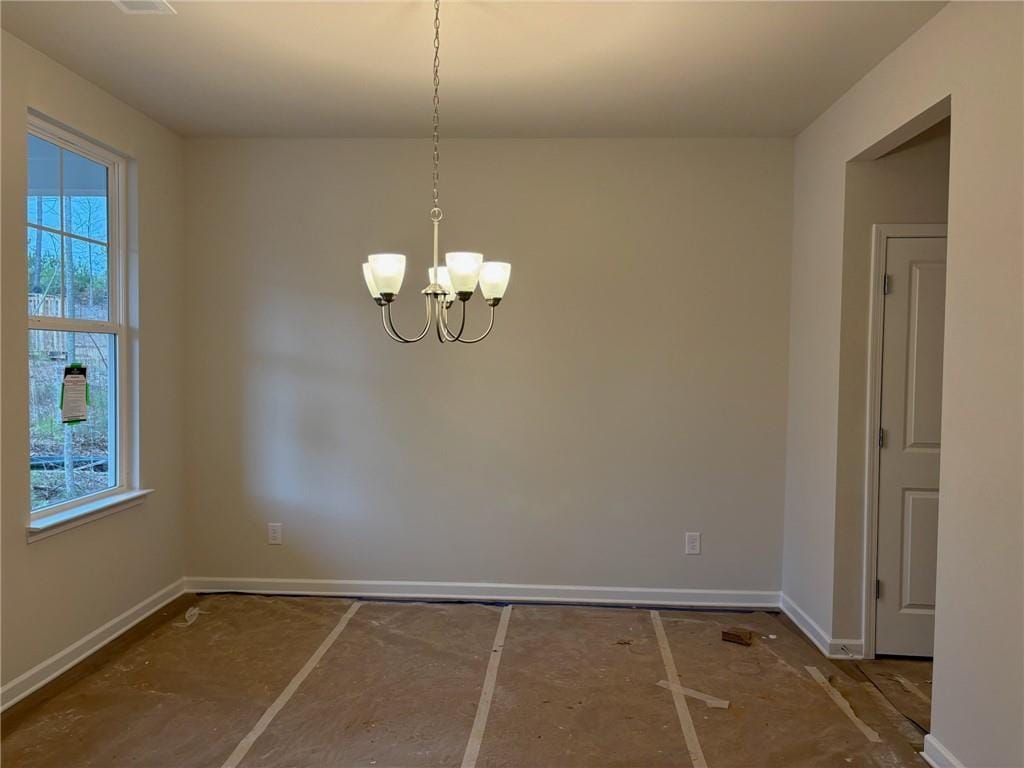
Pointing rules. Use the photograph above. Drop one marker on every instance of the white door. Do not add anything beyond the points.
(911, 420)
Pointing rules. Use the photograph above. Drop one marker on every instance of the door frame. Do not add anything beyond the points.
(880, 236)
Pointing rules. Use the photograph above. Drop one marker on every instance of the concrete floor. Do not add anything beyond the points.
(270, 681)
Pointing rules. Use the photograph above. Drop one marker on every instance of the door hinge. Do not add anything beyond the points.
(881, 438)
(886, 285)
(878, 588)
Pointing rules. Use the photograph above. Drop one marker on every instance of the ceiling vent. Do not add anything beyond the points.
(145, 6)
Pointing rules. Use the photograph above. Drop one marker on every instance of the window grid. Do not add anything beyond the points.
(64, 235)
(120, 450)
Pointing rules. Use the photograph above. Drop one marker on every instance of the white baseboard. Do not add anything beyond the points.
(937, 756)
(810, 627)
(848, 648)
(539, 593)
(833, 648)
(527, 593)
(60, 662)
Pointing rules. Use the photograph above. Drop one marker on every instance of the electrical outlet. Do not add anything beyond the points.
(273, 533)
(692, 543)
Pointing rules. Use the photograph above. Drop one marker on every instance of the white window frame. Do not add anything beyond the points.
(125, 491)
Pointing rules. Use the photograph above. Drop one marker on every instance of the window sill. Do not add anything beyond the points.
(85, 513)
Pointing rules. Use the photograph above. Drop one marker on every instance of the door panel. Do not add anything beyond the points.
(920, 539)
(924, 355)
(911, 419)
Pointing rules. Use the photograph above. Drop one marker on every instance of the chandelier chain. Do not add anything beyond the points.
(437, 100)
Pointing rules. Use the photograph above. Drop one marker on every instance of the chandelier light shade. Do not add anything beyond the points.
(456, 280)
(371, 285)
(494, 279)
(464, 268)
(388, 270)
(441, 277)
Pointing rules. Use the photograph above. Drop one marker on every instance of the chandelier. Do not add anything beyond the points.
(457, 279)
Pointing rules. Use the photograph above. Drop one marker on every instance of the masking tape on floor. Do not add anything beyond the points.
(712, 701)
(245, 744)
(476, 736)
(907, 728)
(678, 696)
(844, 705)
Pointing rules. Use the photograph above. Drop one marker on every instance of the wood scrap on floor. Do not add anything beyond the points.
(738, 636)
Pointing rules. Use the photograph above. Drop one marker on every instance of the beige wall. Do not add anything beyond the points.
(971, 52)
(59, 589)
(908, 185)
(634, 388)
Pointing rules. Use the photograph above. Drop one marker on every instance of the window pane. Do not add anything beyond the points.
(68, 461)
(88, 265)
(85, 197)
(44, 273)
(43, 182)
(72, 282)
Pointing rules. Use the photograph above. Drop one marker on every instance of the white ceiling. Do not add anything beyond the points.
(508, 68)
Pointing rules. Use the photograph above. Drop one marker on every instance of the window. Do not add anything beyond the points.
(76, 314)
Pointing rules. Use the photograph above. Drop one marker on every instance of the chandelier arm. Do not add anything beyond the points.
(443, 334)
(485, 334)
(462, 326)
(387, 328)
(393, 332)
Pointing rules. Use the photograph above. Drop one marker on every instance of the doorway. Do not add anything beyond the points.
(896, 202)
